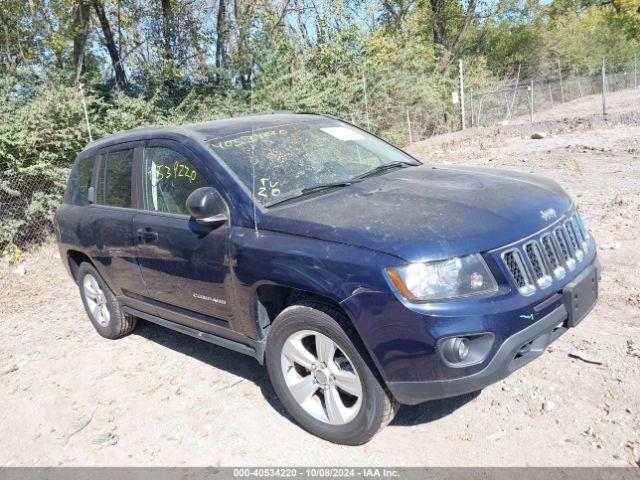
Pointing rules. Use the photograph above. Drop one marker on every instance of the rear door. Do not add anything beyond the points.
(110, 220)
(184, 264)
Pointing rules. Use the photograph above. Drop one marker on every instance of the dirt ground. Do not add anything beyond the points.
(70, 397)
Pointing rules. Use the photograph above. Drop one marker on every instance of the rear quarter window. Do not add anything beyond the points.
(80, 181)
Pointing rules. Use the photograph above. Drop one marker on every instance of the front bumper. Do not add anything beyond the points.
(516, 351)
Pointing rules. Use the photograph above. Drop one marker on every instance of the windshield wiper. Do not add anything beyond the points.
(325, 186)
(382, 168)
(316, 188)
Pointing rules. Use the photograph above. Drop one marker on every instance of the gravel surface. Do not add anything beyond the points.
(70, 397)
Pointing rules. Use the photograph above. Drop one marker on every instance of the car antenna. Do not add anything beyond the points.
(253, 161)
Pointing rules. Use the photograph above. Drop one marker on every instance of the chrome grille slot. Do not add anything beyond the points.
(565, 249)
(518, 270)
(582, 234)
(551, 253)
(576, 229)
(549, 250)
(540, 273)
(573, 240)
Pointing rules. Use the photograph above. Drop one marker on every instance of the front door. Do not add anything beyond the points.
(184, 264)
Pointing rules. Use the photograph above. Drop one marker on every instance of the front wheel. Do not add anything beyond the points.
(323, 376)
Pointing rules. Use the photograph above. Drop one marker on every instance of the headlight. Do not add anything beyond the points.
(455, 277)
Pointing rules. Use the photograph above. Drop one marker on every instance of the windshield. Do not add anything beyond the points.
(281, 161)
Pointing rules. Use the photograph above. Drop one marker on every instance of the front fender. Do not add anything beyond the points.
(332, 270)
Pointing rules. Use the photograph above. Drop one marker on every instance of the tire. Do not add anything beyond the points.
(310, 324)
(96, 294)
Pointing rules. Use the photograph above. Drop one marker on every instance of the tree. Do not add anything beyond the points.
(109, 43)
(167, 44)
(221, 34)
(395, 12)
(80, 33)
(19, 25)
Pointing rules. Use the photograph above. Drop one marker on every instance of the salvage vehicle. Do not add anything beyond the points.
(362, 278)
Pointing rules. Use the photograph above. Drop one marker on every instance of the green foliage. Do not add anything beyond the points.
(583, 38)
(41, 129)
(12, 253)
(124, 112)
(510, 45)
(41, 132)
(577, 33)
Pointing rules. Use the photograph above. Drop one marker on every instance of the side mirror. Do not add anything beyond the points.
(91, 195)
(205, 205)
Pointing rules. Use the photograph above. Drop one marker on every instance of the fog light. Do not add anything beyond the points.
(462, 348)
(456, 349)
(467, 350)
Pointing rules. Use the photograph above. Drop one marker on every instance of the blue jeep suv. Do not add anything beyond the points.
(362, 278)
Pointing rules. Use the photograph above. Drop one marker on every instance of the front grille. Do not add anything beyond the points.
(532, 250)
(582, 228)
(551, 254)
(561, 238)
(514, 267)
(515, 264)
(571, 234)
(537, 262)
(573, 239)
(550, 250)
(580, 233)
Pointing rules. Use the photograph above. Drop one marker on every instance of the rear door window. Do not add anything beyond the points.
(168, 179)
(115, 181)
(80, 181)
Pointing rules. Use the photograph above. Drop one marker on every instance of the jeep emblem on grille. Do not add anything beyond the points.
(548, 214)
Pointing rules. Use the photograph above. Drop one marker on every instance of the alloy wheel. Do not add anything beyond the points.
(321, 377)
(96, 300)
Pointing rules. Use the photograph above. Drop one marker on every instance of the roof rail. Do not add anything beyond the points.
(271, 112)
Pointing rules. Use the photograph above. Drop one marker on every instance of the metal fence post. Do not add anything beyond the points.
(561, 86)
(366, 101)
(479, 115)
(461, 68)
(531, 102)
(635, 71)
(409, 127)
(604, 88)
(513, 100)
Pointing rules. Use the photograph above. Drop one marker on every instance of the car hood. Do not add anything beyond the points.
(426, 213)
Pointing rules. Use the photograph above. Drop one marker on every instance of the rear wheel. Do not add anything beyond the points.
(323, 376)
(101, 304)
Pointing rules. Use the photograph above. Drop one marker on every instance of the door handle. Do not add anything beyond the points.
(146, 235)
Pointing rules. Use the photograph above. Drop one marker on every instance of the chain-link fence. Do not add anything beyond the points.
(28, 199)
(515, 100)
(404, 125)
(523, 99)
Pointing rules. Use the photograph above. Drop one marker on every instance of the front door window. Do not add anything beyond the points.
(169, 178)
